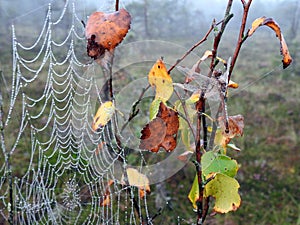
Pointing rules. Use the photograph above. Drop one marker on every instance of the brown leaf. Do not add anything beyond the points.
(287, 59)
(106, 31)
(161, 131)
(153, 135)
(235, 125)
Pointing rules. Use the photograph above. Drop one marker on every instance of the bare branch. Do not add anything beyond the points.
(195, 46)
(241, 38)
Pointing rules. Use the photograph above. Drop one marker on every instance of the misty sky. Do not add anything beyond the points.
(17, 8)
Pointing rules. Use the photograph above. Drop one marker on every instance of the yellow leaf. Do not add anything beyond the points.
(194, 192)
(159, 77)
(103, 115)
(193, 98)
(232, 84)
(225, 190)
(137, 179)
(255, 24)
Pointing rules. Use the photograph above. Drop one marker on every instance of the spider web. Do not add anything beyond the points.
(48, 124)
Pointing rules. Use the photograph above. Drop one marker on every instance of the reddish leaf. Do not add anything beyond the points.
(287, 59)
(162, 131)
(106, 31)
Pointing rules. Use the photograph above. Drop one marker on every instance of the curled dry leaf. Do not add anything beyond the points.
(103, 115)
(287, 59)
(161, 131)
(137, 179)
(236, 128)
(159, 77)
(105, 201)
(106, 31)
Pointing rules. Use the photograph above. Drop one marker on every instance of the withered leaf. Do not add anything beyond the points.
(161, 131)
(287, 59)
(106, 31)
(235, 125)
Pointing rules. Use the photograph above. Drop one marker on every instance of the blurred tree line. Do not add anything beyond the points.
(165, 19)
(156, 19)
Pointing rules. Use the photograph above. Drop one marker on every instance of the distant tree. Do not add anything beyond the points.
(153, 18)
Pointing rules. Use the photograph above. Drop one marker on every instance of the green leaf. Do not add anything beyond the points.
(225, 191)
(154, 107)
(212, 162)
(194, 193)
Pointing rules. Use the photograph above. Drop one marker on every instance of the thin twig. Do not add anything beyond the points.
(218, 37)
(135, 111)
(117, 5)
(187, 119)
(195, 46)
(241, 38)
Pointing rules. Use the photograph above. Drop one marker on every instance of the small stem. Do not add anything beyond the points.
(110, 80)
(135, 111)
